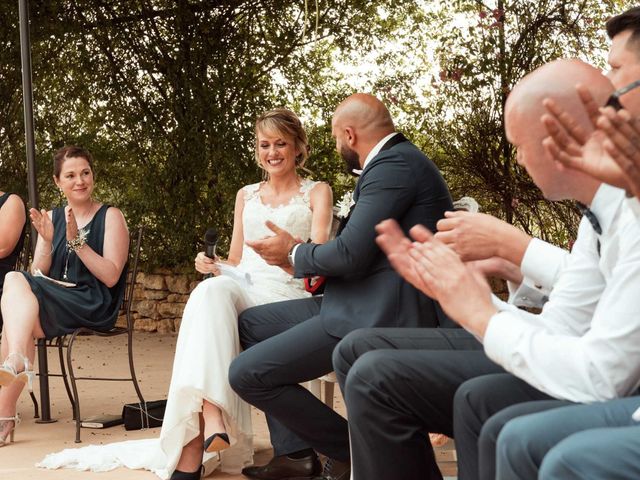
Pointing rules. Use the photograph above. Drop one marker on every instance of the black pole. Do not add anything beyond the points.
(27, 94)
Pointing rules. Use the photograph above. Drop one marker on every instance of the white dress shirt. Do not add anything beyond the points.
(374, 151)
(585, 345)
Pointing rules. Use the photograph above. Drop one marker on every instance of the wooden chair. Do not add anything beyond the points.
(67, 341)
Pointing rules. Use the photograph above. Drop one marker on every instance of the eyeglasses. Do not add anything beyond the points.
(614, 99)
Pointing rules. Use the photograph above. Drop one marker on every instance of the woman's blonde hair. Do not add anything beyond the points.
(287, 124)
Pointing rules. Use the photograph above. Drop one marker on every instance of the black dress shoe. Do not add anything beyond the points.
(178, 475)
(335, 470)
(286, 468)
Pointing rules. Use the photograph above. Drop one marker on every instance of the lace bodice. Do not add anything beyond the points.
(294, 217)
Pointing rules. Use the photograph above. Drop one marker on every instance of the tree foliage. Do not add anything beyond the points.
(165, 94)
(482, 55)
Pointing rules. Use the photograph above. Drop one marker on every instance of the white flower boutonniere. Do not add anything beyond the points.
(344, 205)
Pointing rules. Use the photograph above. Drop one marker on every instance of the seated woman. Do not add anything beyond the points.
(82, 249)
(203, 414)
(12, 231)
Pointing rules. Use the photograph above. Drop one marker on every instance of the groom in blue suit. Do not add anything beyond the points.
(290, 342)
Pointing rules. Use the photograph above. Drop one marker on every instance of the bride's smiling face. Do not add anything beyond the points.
(277, 153)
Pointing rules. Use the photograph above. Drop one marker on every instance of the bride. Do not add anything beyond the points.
(203, 414)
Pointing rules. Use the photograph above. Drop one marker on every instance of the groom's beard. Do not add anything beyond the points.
(351, 159)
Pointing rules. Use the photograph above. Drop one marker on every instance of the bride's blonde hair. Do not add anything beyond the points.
(287, 124)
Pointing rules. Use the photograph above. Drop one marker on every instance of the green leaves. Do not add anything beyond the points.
(165, 93)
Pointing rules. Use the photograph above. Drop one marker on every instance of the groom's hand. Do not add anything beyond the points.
(274, 250)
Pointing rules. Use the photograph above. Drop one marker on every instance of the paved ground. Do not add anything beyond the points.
(154, 357)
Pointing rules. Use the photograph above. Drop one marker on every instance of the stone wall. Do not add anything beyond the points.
(159, 299)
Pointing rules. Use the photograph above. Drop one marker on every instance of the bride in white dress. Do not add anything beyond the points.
(200, 401)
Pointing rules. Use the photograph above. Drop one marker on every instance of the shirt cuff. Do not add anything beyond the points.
(496, 338)
(293, 254)
(528, 295)
(541, 264)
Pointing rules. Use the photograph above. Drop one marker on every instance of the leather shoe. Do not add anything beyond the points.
(283, 467)
(335, 470)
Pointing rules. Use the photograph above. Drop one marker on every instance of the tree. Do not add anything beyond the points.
(165, 94)
(493, 45)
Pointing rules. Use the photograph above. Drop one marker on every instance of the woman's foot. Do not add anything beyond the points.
(216, 442)
(16, 368)
(7, 429)
(178, 475)
(191, 456)
(215, 433)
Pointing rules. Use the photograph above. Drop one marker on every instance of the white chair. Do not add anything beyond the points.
(323, 388)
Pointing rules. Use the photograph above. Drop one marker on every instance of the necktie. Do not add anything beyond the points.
(592, 220)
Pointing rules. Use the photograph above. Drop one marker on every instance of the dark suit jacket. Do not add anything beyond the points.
(362, 289)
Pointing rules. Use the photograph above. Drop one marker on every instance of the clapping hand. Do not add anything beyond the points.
(72, 225)
(571, 146)
(393, 242)
(623, 145)
(437, 271)
(473, 236)
(42, 223)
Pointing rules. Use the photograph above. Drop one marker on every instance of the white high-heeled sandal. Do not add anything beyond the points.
(9, 373)
(10, 433)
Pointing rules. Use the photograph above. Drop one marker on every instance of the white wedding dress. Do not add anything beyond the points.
(207, 343)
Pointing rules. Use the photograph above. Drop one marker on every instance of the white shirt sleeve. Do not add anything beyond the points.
(541, 266)
(597, 357)
(634, 206)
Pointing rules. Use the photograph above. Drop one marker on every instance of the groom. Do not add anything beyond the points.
(290, 342)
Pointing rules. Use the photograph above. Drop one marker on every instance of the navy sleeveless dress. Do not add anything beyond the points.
(8, 263)
(90, 303)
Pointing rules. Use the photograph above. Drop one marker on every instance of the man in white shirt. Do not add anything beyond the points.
(600, 440)
(406, 391)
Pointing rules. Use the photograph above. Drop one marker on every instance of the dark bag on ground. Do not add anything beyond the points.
(137, 416)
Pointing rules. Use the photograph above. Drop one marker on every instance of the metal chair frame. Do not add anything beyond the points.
(67, 341)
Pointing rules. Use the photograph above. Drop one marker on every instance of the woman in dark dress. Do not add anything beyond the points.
(77, 278)
(12, 220)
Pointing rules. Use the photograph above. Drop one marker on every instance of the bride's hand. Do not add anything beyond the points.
(206, 265)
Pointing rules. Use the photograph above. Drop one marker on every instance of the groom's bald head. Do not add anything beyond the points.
(358, 124)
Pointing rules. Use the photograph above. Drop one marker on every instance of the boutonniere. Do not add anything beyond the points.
(344, 205)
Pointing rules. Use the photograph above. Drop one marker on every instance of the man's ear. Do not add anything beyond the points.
(350, 135)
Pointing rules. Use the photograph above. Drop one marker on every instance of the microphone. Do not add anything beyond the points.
(210, 240)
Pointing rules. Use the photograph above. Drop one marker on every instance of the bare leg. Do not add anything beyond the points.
(21, 325)
(213, 422)
(191, 457)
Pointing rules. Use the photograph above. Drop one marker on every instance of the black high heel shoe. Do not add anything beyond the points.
(178, 475)
(216, 442)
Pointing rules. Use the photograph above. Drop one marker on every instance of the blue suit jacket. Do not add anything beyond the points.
(362, 289)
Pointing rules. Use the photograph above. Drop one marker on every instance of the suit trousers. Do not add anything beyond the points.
(285, 344)
(480, 411)
(594, 441)
(399, 384)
